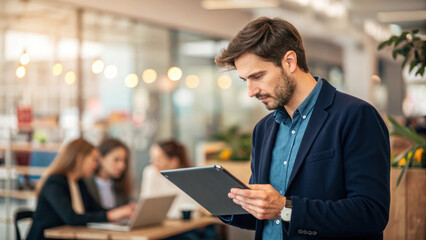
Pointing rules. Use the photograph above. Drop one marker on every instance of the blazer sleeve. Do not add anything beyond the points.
(92, 188)
(366, 163)
(58, 197)
(245, 221)
(90, 202)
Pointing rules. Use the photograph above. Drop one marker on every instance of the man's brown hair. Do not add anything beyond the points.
(267, 38)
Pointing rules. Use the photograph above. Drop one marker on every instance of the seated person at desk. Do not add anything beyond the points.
(167, 155)
(63, 198)
(111, 185)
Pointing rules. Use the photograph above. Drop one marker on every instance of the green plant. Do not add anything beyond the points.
(238, 144)
(411, 47)
(415, 156)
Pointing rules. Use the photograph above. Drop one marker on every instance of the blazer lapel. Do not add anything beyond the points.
(318, 118)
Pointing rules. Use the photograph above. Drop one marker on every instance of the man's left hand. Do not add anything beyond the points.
(261, 200)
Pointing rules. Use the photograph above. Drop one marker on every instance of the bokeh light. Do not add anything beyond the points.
(57, 69)
(110, 72)
(174, 73)
(97, 66)
(149, 75)
(20, 72)
(192, 81)
(224, 82)
(25, 58)
(70, 78)
(131, 80)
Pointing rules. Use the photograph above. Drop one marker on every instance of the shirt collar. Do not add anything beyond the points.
(280, 114)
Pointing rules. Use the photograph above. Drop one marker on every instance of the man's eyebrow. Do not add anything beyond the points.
(253, 74)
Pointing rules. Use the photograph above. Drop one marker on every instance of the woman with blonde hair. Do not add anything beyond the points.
(111, 185)
(63, 198)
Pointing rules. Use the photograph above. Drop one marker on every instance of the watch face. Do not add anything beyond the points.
(286, 214)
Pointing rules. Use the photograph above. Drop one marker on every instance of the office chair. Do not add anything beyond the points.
(20, 214)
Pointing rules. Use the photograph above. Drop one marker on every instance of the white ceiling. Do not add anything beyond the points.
(52, 12)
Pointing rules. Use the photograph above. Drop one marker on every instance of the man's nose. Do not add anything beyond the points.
(252, 89)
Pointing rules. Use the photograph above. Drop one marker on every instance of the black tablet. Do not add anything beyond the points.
(209, 186)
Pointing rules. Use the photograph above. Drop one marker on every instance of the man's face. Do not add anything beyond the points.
(265, 81)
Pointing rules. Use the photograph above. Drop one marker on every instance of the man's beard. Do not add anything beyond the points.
(283, 92)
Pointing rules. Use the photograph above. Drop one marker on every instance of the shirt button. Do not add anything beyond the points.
(281, 192)
(304, 116)
(314, 233)
(277, 222)
(285, 162)
(293, 131)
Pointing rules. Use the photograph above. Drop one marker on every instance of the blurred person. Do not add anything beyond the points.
(111, 185)
(63, 198)
(321, 160)
(166, 155)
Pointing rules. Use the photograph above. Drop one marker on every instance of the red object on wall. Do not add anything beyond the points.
(25, 116)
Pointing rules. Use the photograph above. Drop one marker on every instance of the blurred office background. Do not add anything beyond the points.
(143, 70)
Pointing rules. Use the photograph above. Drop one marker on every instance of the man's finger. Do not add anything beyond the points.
(260, 186)
(247, 193)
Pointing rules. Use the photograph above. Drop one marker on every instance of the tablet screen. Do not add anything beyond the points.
(209, 186)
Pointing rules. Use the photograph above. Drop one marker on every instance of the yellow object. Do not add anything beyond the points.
(402, 162)
(418, 155)
(225, 154)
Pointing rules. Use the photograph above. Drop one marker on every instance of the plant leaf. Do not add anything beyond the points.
(404, 169)
(416, 55)
(400, 156)
(406, 132)
(415, 31)
(407, 57)
(413, 64)
(401, 38)
(384, 43)
(394, 53)
(421, 71)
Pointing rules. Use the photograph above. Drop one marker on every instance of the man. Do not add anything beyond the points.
(320, 161)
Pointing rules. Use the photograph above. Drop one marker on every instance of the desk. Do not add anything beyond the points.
(167, 229)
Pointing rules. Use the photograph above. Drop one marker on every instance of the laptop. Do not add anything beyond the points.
(149, 211)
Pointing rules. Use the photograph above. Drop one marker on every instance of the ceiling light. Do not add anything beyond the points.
(57, 69)
(174, 73)
(110, 72)
(25, 58)
(70, 78)
(97, 66)
(149, 75)
(20, 72)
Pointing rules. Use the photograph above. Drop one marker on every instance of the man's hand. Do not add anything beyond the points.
(262, 200)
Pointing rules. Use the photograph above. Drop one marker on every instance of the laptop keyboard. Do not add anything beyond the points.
(123, 222)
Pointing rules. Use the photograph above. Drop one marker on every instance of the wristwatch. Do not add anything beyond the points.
(286, 211)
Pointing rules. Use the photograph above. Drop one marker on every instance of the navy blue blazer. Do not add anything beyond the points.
(339, 185)
(54, 207)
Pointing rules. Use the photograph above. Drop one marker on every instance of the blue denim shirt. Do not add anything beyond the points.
(287, 143)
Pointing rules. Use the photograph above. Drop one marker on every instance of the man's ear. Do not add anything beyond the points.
(289, 61)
